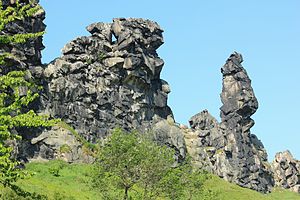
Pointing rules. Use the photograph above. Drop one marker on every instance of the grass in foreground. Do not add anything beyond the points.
(229, 191)
(61, 181)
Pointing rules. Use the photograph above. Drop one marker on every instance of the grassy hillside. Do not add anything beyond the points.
(63, 181)
(229, 191)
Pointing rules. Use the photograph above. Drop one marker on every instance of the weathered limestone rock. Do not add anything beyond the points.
(286, 171)
(228, 149)
(60, 143)
(167, 132)
(246, 156)
(99, 84)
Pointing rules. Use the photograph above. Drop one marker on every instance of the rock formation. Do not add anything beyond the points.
(228, 149)
(24, 56)
(27, 55)
(244, 151)
(286, 171)
(100, 83)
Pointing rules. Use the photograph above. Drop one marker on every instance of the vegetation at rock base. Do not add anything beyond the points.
(57, 179)
(74, 184)
(135, 167)
(17, 91)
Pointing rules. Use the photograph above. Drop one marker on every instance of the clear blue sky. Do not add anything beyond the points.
(199, 36)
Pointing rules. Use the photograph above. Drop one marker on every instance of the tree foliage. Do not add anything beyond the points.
(17, 91)
(127, 161)
(131, 166)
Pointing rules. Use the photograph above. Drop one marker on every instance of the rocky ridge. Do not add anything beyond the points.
(100, 83)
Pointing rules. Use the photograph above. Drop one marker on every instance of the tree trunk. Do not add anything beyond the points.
(126, 193)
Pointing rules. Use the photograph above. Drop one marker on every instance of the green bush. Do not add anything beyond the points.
(65, 148)
(56, 166)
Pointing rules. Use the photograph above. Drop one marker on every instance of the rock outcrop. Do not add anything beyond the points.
(25, 56)
(112, 79)
(286, 171)
(228, 149)
(99, 84)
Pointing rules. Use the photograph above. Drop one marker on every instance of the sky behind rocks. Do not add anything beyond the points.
(199, 36)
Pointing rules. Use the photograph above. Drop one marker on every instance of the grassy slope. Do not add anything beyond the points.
(73, 181)
(229, 191)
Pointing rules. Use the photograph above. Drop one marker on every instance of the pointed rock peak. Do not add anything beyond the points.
(233, 64)
(239, 101)
(203, 120)
(102, 30)
(144, 32)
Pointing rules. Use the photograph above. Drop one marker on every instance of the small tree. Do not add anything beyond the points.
(14, 112)
(128, 160)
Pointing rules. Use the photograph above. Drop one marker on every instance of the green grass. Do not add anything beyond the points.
(229, 191)
(72, 183)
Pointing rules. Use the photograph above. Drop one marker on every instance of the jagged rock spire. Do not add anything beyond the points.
(228, 149)
(245, 154)
(239, 101)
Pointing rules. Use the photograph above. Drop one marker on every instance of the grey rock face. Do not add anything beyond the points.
(246, 154)
(25, 56)
(60, 143)
(99, 84)
(167, 132)
(28, 55)
(286, 171)
(228, 149)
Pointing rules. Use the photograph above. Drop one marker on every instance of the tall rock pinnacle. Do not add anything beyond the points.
(245, 154)
(228, 149)
(239, 101)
